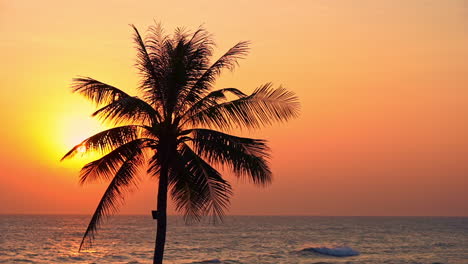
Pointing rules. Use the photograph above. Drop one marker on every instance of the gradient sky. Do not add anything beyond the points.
(383, 87)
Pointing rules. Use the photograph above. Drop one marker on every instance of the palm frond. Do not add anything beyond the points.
(149, 71)
(128, 109)
(210, 100)
(199, 50)
(107, 140)
(197, 188)
(96, 91)
(264, 106)
(105, 167)
(178, 73)
(155, 45)
(227, 61)
(154, 165)
(247, 157)
(187, 58)
(125, 178)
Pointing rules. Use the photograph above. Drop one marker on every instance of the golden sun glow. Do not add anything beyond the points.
(81, 148)
(383, 88)
(68, 129)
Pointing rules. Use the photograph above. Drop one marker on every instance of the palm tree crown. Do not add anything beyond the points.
(173, 127)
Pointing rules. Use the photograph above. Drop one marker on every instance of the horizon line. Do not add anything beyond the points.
(250, 215)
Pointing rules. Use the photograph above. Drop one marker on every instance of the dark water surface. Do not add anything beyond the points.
(240, 239)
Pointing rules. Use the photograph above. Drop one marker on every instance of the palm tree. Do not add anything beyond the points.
(174, 129)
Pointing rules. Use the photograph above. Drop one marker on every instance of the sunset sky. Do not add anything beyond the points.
(383, 86)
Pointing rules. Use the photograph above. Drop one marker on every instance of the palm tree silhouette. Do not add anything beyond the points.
(170, 129)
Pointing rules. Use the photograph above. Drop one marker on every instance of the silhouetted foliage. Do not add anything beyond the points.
(170, 127)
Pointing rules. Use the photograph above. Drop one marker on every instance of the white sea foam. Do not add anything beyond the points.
(336, 251)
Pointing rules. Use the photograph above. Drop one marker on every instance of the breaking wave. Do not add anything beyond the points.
(336, 251)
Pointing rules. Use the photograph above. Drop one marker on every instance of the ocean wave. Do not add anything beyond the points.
(443, 244)
(217, 261)
(210, 261)
(22, 260)
(336, 251)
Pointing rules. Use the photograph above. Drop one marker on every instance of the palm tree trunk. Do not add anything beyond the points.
(162, 217)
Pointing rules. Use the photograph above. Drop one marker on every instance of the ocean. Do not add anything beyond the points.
(239, 239)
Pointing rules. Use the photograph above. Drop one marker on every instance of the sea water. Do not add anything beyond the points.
(239, 239)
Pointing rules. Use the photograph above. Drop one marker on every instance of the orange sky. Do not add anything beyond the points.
(383, 87)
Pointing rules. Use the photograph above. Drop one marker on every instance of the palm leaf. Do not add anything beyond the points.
(197, 188)
(247, 157)
(105, 167)
(124, 179)
(186, 58)
(128, 109)
(210, 100)
(199, 50)
(107, 140)
(154, 165)
(262, 107)
(227, 61)
(149, 71)
(96, 91)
